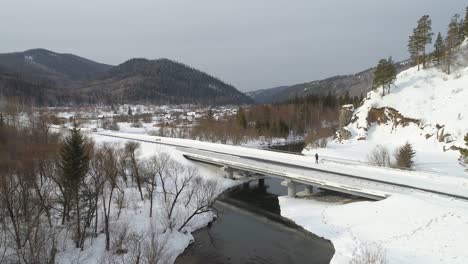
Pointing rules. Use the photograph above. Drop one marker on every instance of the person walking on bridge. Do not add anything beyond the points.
(316, 158)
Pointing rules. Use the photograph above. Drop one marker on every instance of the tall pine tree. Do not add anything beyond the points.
(74, 163)
(413, 48)
(438, 53)
(465, 24)
(424, 36)
(241, 118)
(384, 75)
(452, 40)
(390, 73)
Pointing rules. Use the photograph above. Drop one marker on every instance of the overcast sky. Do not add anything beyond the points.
(251, 44)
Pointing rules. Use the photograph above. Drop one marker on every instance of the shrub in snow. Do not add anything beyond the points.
(323, 143)
(120, 237)
(379, 156)
(370, 254)
(404, 156)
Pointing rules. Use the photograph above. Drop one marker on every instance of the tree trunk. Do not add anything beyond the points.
(151, 200)
(96, 199)
(137, 177)
(417, 58)
(424, 56)
(78, 222)
(106, 229)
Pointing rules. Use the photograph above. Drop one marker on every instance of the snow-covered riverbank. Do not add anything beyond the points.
(408, 229)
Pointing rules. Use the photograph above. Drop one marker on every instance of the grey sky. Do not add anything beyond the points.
(251, 44)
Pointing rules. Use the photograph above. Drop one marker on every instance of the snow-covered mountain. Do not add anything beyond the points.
(427, 108)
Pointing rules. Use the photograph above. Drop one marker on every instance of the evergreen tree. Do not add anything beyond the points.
(404, 156)
(464, 153)
(452, 41)
(209, 115)
(413, 48)
(74, 164)
(438, 53)
(384, 75)
(241, 119)
(390, 73)
(379, 76)
(424, 36)
(465, 24)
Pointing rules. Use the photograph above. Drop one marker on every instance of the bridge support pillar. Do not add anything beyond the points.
(229, 172)
(261, 183)
(291, 189)
(308, 190)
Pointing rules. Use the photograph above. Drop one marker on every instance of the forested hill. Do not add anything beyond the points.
(57, 67)
(354, 84)
(161, 81)
(44, 77)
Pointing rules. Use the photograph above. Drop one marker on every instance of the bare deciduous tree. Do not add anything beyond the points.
(179, 179)
(201, 202)
(379, 156)
(132, 150)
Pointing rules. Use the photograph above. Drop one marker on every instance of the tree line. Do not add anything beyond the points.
(442, 56)
(444, 48)
(313, 116)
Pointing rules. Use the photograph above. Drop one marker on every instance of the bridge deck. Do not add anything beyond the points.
(376, 182)
(345, 183)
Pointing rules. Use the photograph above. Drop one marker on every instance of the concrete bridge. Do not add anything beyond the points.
(365, 181)
(293, 175)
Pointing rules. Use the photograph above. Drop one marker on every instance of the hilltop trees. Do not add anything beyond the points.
(384, 75)
(452, 41)
(444, 49)
(422, 35)
(413, 48)
(438, 54)
(465, 24)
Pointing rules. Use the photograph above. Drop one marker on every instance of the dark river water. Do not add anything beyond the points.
(250, 229)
